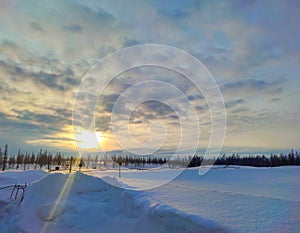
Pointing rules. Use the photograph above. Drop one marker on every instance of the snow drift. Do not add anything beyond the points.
(82, 203)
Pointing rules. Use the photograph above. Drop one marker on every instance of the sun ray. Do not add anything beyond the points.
(62, 195)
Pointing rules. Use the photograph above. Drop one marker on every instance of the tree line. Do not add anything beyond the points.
(24, 160)
(138, 160)
(290, 159)
(48, 160)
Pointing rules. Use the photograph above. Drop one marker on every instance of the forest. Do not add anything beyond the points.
(48, 160)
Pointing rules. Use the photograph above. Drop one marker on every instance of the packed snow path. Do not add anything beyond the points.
(81, 203)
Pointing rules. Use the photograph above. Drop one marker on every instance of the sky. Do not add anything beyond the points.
(251, 48)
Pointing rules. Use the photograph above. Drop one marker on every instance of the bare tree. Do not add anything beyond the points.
(5, 158)
(1, 158)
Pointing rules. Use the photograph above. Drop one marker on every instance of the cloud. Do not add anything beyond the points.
(36, 26)
(102, 123)
(130, 42)
(10, 49)
(252, 86)
(9, 123)
(234, 103)
(276, 99)
(154, 110)
(238, 110)
(62, 112)
(45, 51)
(57, 80)
(245, 119)
(6, 90)
(195, 97)
(174, 14)
(53, 123)
(73, 28)
(174, 9)
(95, 10)
(25, 129)
(8, 44)
(106, 102)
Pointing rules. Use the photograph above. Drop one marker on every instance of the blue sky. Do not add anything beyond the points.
(251, 48)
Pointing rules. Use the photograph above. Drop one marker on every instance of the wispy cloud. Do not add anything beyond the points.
(252, 86)
(73, 28)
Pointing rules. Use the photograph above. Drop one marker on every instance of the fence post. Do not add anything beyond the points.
(71, 161)
(120, 164)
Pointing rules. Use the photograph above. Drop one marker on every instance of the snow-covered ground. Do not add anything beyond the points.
(244, 199)
(222, 200)
(81, 203)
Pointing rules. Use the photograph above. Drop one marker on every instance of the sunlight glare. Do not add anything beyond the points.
(88, 139)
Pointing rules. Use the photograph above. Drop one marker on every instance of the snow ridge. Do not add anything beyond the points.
(81, 203)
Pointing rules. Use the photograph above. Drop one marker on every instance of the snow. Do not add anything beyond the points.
(20, 177)
(244, 199)
(233, 199)
(83, 203)
(29, 176)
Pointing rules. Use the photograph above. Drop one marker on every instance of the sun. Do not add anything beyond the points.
(89, 139)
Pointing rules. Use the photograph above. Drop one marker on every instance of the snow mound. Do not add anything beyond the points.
(21, 177)
(9, 178)
(82, 203)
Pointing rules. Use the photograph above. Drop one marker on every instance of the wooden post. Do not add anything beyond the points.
(71, 161)
(120, 164)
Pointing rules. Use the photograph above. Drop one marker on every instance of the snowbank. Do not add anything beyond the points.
(29, 176)
(8, 178)
(82, 203)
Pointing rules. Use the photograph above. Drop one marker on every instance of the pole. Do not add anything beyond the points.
(120, 164)
(70, 168)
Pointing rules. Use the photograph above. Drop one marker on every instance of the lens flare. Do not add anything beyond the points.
(88, 139)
